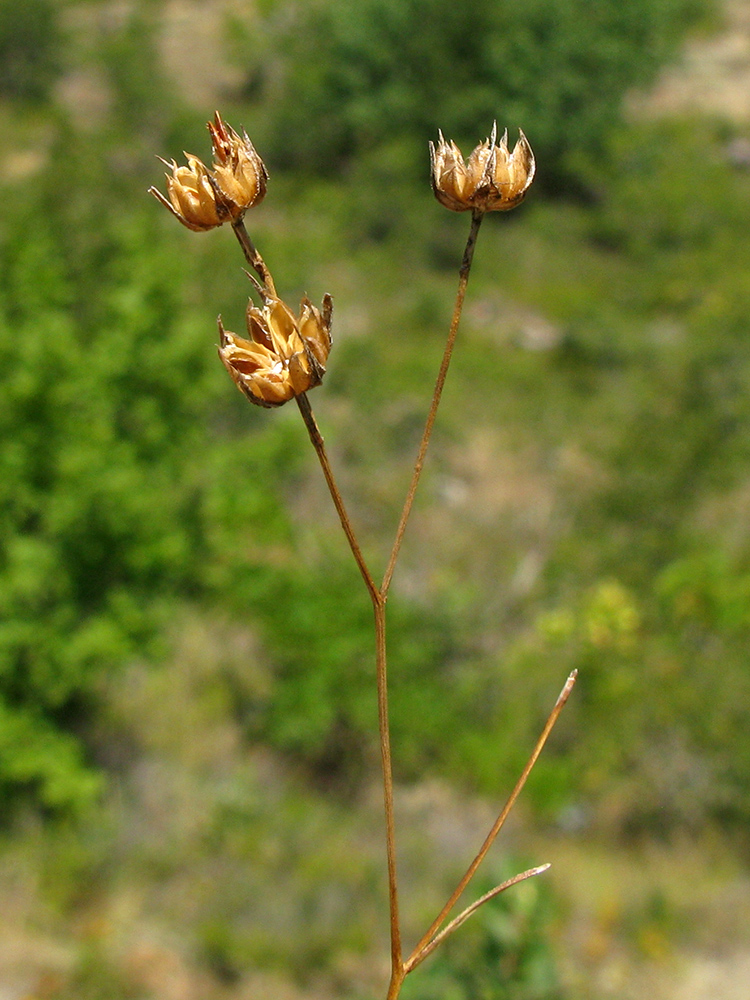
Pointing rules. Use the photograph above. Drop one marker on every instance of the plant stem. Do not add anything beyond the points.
(378, 604)
(397, 965)
(398, 975)
(318, 444)
(428, 949)
(499, 823)
(252, 256)
(463, 279)
(399, 969)
(379, 596)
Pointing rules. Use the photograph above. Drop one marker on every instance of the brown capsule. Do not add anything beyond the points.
(493, 179)
(283, 355)
(203, 199)
(193, 198)
(238, 170)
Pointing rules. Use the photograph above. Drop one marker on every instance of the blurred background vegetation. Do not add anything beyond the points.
(188, 756)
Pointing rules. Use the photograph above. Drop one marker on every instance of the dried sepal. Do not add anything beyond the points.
(315, 329)
(493, 179)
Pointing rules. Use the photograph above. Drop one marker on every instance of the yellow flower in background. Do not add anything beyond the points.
(284, 355)
(493, 179)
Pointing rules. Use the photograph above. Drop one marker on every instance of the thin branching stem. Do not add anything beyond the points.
(434, 936)
(398, 975)
(499, 822)
(222, 140)
(428, 949)
(252, 256)
(399, 969)
(463, 279)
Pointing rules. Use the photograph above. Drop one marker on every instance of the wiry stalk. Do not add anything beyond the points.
(463, 280)
(419, 956)
(496, 180)
(434, 936)
(378, 604)
(378, 598)
(319, 445)
(252, 256)
(397, 965)
(428, 936)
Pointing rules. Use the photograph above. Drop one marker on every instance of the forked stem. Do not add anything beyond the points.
(378, 604)
(463, 280)
(434, 935)
(254, 259)
(228, 145)
(397, 966)
(428, 949)
(498, 825)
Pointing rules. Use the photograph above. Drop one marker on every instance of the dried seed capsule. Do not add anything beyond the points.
(192, 195)
(493, 179)
(201, 198)
(284, 355)
(238, 170)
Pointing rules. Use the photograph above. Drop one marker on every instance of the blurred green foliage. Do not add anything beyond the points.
(31, 49)
(173, 582)
(115, 489)
(374, 74)
(137, 487)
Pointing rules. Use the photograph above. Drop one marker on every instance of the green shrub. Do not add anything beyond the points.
(116, 495)
(30, 49)
(373, 72)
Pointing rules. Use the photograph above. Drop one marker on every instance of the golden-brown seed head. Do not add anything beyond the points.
(284, 356)
(493, 179)
(193, 198)
(238, 171)
(202, 199)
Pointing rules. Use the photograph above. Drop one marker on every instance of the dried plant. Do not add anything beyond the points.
(284, 356)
